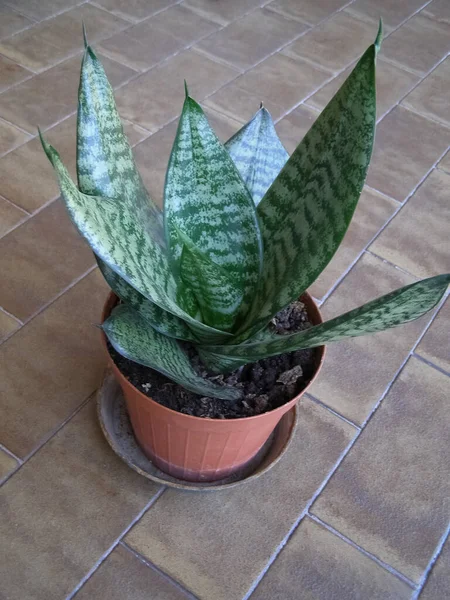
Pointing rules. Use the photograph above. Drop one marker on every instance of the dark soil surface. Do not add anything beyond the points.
(266, 384)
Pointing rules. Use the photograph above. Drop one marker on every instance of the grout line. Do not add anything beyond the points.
(154, 567)
(115, 543)
(37, 22)
(339, 461)
(332, 411)
(11, 454)
(373, 557)
(46, 439)
(50, 302)
(431, 564)
(130, 19)
(11, 315)
(430, 364)
(388, 262)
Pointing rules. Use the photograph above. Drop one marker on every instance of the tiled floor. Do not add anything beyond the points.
(359, 507)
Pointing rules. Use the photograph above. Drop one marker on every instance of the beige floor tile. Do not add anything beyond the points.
(333, 45)
(418, 45)
(430, 98)
(10, 216)
(372, 212)
(223, 11)
(445, 163)
(152, 156)
(39, 260)
(157, 38)
(12, 22)
(123, 576)
(279, 81)
(439, 10)
(417, 239)
(308, 11)
(201, 543)
(7, 325)
(399, 162)
(7, 462)
(357, 371)
(11, 137)
(435, 345)
(64, 509)
(250, 39)
(438, 583)
(51, 366)
(11, 73)
(134, 10)
(43, 9)
(51, 42)
(51, 96)
(323, 566)
(155, 98)
(392, 12)
(294, 126)
(391, 493)
(392, 84)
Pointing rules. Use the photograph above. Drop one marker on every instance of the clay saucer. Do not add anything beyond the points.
(117, 429)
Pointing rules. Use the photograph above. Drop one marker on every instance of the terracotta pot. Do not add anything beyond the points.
(194, 448)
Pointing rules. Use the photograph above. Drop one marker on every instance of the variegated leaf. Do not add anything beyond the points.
(205, 198)
(307, 210)
(258, 153)
(401, 306)
(158, 318)
(118, 237)
(131, 336)
(105, 163)
(218, 298)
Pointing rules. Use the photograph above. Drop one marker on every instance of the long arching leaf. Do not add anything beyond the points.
(131, 336)
(258, 153)
(119, 238)
(307, 210)
(206, 199)
(402, 305)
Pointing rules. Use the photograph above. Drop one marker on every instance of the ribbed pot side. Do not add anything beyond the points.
(194, 448)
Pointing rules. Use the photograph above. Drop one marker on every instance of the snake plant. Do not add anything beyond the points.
(245, 230)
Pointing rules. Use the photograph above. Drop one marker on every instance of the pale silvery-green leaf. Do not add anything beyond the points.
(158, 318)
(206, 199)
(306, 211)
(105, 163)
(401, 306)
(130, 335)
(218, 298)
(258, 153)
(119, 238)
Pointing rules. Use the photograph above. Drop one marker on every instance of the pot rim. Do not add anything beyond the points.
(311, 307)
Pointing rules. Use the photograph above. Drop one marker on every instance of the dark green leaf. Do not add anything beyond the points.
(131, 336)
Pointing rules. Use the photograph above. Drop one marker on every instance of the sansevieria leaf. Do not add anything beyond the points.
(402, 305)
(118, 237)
(308, 208)
(218, 298)
(131, 336)
(258, 153)
(158, 318)
(105, 163)
(206, 199)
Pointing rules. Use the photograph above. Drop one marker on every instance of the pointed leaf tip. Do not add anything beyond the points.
(85, 40)
(379, 37)
(186, 90)
(261, 105)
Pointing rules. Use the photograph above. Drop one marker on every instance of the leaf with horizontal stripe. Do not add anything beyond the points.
(400, 306)
(118, 237)
(308, 208)
(130, 334)
(258, 153)
(206, 199)
(158, 318)
(105, 163)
